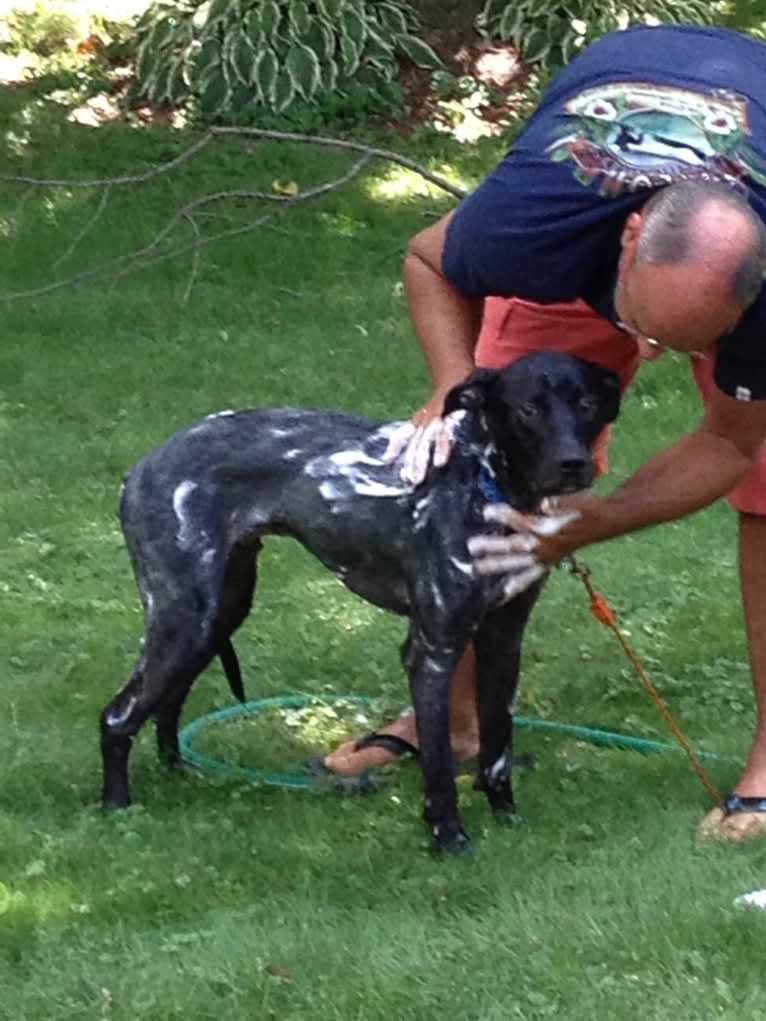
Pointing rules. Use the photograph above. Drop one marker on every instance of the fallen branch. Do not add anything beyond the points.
(198, 210)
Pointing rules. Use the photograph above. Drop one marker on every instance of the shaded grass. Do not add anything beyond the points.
(211, 897)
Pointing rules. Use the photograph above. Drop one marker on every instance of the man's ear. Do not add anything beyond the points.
(472, 393)
(607, 386)
(631, 232)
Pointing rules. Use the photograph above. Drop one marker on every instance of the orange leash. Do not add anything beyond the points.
(603, 613)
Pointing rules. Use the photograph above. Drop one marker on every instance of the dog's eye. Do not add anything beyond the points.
(529, 410)
(587, 403)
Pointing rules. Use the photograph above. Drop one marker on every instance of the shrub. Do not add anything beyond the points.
(549, 32)
(227, 55)
(39, 30)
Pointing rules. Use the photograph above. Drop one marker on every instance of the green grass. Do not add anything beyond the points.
(212, 898)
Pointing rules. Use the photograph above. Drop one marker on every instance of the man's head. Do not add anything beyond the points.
(693, 260)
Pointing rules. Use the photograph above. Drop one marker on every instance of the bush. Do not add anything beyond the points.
(549, 32)
(40, 30)
(230, 55)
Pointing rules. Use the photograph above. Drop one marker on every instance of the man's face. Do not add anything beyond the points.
(680, 307)
(683, 307)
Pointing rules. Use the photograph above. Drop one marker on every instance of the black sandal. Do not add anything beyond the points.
(734, 804)
(369, 779)
(390, 742)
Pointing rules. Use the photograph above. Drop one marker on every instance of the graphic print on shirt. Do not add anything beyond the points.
(630, 135)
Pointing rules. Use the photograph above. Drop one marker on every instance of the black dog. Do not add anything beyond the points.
(193, 512)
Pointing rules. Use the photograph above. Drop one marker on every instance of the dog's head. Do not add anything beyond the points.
(543, 413)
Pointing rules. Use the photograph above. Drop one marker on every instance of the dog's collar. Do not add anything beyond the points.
(489, 487)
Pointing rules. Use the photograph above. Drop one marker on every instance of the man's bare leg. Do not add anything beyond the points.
(752, 571)
(348, 761)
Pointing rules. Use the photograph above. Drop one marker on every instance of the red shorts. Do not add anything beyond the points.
(512, 327)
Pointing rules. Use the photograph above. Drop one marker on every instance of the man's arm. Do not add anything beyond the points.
(687, 476)
(691, 474)
(446, 323)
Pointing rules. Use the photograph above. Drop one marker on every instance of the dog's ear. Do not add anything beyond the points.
(472, 393)
(607, 386)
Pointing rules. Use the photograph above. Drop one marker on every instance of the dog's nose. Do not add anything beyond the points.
(573, 466)
(574, 473)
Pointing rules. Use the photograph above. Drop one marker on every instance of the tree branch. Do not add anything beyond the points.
(196, 211)
(340, 143)
(115, 182)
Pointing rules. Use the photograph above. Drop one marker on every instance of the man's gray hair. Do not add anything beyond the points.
(668, 235)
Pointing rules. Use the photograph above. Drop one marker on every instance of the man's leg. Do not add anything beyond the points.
(348, 760)
(749, 499)
(752, 567)
(510, 329)
(752, 572)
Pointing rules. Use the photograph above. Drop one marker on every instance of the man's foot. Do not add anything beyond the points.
(353, 757)
(742, 818)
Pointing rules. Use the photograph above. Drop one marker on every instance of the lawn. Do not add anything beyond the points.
(212, 897)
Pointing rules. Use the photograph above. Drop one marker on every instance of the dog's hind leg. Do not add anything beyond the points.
(233, 602)
(178, 556)
(498, 657)
(178, 646)
(168, 715)
(120, 722)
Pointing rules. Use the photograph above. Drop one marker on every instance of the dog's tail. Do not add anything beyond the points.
(230, 665)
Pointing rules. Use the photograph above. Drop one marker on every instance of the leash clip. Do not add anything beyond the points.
(578, 569)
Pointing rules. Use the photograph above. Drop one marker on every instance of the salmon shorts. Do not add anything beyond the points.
(512, 327)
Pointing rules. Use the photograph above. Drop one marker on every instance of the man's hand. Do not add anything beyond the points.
(425, 441)
(524, 555)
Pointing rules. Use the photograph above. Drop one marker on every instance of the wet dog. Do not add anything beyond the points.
(194, 512)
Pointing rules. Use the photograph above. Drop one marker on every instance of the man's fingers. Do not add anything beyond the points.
(552, 524)
(538, 524)
(517, 583)
(504, 563)
(518, 543)
(503, 514)
(509, 555)
(422, 446)
(446, 436)
(429, 444)
(398, 441)
(418, 454)
(442, 448)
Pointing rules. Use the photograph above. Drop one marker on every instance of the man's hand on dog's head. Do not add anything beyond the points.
(426, 440)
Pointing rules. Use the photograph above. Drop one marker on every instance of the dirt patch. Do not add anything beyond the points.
(499, 76)
(484, 85)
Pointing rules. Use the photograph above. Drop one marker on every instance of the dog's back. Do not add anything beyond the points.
(316, 475)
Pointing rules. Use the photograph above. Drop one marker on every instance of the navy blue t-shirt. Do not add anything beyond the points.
(633, 112)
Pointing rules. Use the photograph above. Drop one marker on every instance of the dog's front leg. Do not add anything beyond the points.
(430, 669)
(498, 656)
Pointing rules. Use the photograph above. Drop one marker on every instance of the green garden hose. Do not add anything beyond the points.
(303, 780)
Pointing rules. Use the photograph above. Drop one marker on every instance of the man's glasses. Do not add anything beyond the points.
(655, 343)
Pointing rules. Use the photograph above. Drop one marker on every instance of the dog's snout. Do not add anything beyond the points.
(573, 466)
(573, 474)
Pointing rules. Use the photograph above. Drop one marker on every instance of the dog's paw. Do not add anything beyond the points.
(455, 844)
(504, 815)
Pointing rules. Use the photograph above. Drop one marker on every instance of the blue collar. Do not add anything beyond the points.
(489, 487)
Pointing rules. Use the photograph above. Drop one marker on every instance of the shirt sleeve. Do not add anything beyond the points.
(740, 367)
